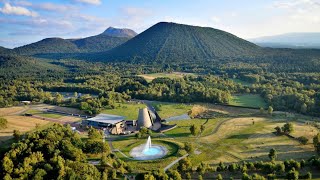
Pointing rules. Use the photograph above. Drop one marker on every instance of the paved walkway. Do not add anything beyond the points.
(174, 162)
(117, 150)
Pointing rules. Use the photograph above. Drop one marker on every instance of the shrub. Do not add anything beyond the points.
(3, 123)
(303, 140)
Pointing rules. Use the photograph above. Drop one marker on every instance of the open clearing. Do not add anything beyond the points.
(129, 110)
(240, 140)
(150, 77)
(166, 110)
(21, 123)
(12, 110)
(248, 100)
(17, 120)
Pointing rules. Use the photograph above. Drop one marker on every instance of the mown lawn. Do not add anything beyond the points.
(248, 100)
(183, 127)
(166, 110)
(44, 114)
(129, 110)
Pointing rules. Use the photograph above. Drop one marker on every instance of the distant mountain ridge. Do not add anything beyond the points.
(4, 50)
(170, 42)
(116, 32)
(290, 40)
(102, 42)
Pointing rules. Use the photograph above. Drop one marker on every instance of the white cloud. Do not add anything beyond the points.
(17, 10)
(94, 2)
(52, 7)
(23, 3)
(295, 3)
(134, 17)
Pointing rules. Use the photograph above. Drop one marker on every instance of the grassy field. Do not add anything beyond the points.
(150, 77)
(44, 114)
(248, 100)
(11, 110)
(166, 110)
(240, 140)
(182, 129)
(21, 123)
(129, 110)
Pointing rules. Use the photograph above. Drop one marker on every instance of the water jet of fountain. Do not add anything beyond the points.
(148, 144)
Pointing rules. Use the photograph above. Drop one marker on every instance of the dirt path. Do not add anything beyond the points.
(174, 162)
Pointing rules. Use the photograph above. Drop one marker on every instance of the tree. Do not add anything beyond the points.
(188, 176)
(304, 108)
(149, 177)
(245, 176)
(308, 175)
(189, 147)
(316, 143)
(7, 165)
(138, 135)
(114, 174)
(272, 154)
(293, 174)
(16, 135)
(261, 110)
(270, 110)
(185, 165)
(278, 130)
(75, 95)
(303, 140)
(176, 175)
(202, 128)
(105, 174)
(194, 130)
(200, 177)
(95, 134)
(3, 123)
(288, 128)
(219, 177)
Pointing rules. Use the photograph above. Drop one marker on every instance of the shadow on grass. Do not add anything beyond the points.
(240, 136)
(179, 135)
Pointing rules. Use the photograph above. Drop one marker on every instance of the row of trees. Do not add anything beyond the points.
(289, 169)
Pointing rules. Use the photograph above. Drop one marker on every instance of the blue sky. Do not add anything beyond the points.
(26, 21)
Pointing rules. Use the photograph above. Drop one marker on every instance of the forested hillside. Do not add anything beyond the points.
(98, 43)
(49, 45)
(165, 42)
(58, 46)
(13, 66)
(3, 50)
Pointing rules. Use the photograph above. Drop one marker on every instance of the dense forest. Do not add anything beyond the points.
(60, 153)
(39, 81)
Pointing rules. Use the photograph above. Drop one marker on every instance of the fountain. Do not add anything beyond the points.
(148, 151)
(148, 144)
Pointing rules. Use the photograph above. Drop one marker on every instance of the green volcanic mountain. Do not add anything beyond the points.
(109, 39)
(115, 32)
(48, 45)
(22, 66)
(4, 50)
(167, 42)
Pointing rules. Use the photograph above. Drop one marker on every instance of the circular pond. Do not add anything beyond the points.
(153, 152)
